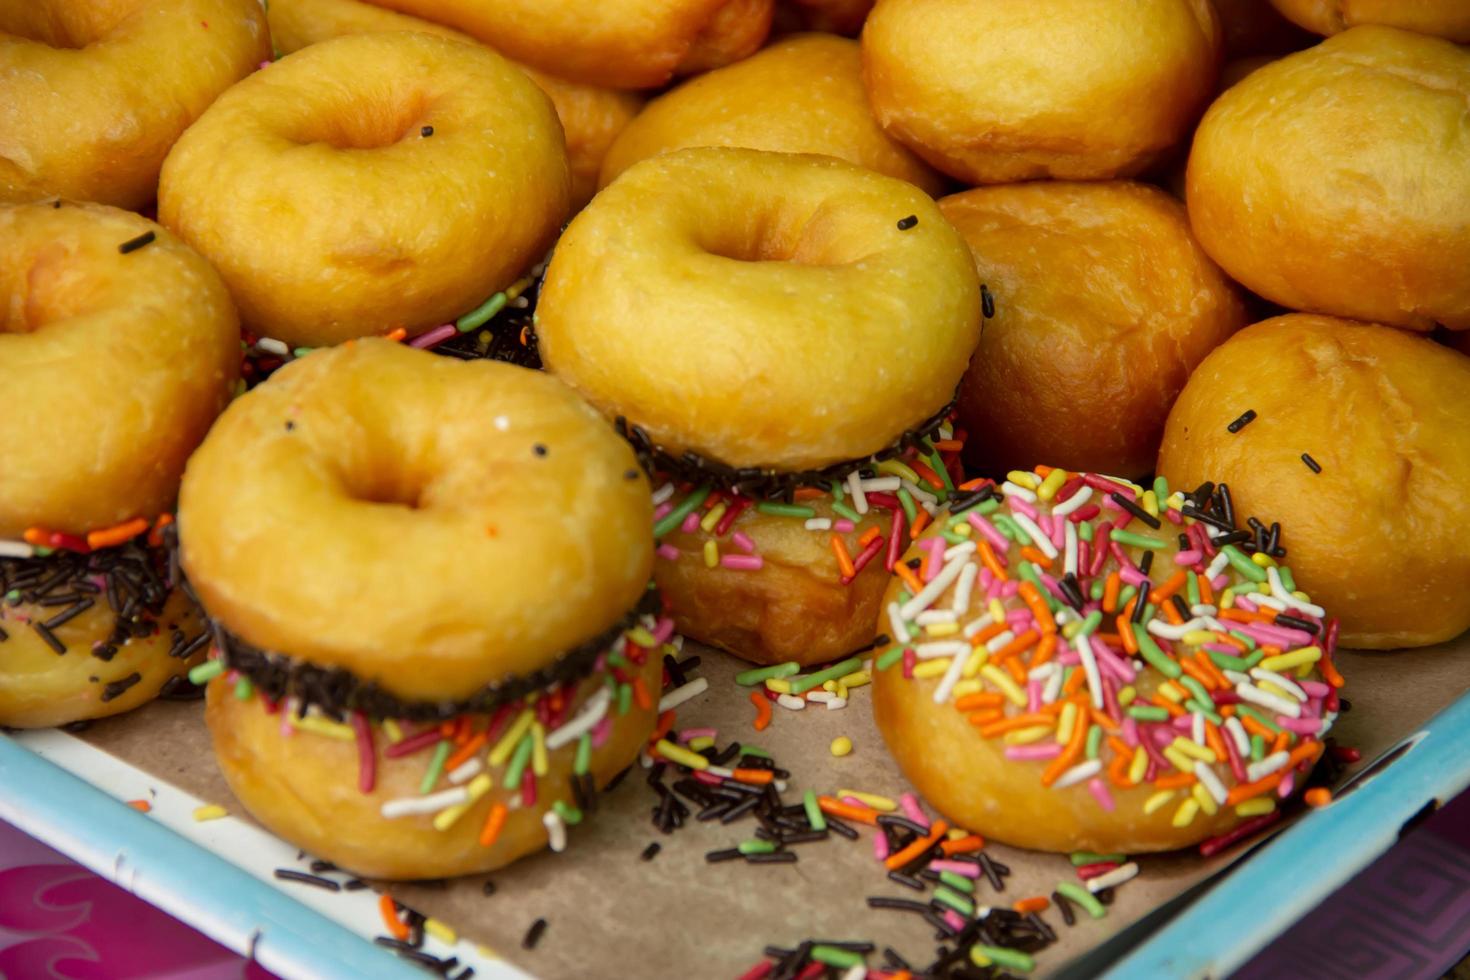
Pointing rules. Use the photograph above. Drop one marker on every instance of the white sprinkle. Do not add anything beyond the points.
(837, 704)
(880, 484)
(679, 695)
(1053, 688)
(963, 548)
(1203, 610)
(818, 524)
(1069, 545)
(1257, 771)
(790, 701)
(932, 591)
(1083, 647)
(1043, 672)
(1210, 781)
(1217, 566)
(556, 830)
(1197, 728)
(1119, 875)
(780, 784)
(1278, 589)
(1269, 601)
(1285, 683)
(855, 487)
(409, 806)
(466, 770)
(1072, 503)
(1079, 773)
(16, 549)
(820, 695)
(964, 587)
(940, 648)
(720, 771)
(949, 680)
(663, 493)
(999, 640)
(976, 625)
(856, 972)
(1280, 705)
(591, 713)
(1041, 541)
(1016, 490)
(919, 492)
(931, 616)
(1235, 676)
(1170, 632)
(900, 628)
(1238, 736)
(273, 346)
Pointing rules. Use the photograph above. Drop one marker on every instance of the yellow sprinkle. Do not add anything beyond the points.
(212, 811)
(487, 952)
(1171, 691)
(511, 738)
(1025, 736)
(477, 788)
(708, 522)
(1184, 816)
(1156, 801)
(963, 530)
(517, 287)
(977, 659)
(881, 803)
(1305, 670)
(1150, 502)
(1002, 680)
(778, 684)
(894, 468)
(1258, 807)
(1296, 658)
(932, 668)
(322, 726)
(956, 833)
(1067, 722)
(841, 691)
(395, 734)
(1192, 749)
(641, 636)
(682, 756)
(1176, 501)
(539, 765)
(701, 743)
(1196, 637)
(1071, 628)
(1052, 484)
(996, 610)
(1023, 479)
(857, 678)
(942, 629)
(830, 686)
(841, 746)
(1138, 766)
(440, 931)
(711, 553)
(1227, 599)
(1126, 695)
(979, 958)
(1178, 759)
(1299, 594)
(1204, 799)
(1275, 689)
(1263, 559)
(971, 686)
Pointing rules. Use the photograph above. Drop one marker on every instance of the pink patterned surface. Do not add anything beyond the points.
(59, 921)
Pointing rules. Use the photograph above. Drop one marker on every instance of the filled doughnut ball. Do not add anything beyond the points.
(369, 183)
(1357, 438)
(1102, 304)
(622, 44)
(803, 94)
(1442, 18)
(991, 92)
(93, 93)
(730, 307)
(118, 347)
(591, 116)
(1101, 666)
(1337, 180)
(365, 705)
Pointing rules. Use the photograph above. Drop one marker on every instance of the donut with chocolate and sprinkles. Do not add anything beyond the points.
(435, 637)
(1046, 691)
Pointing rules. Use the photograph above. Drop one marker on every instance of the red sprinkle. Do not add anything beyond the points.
(367, 757)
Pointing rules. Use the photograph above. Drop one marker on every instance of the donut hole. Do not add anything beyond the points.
(67, 25)
(366, 121)
(49, 288)
(386, 485)
(815, 240)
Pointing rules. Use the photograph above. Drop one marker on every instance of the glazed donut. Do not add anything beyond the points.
(1295, 205)
(368, 183)
(1027, 698)
(990, 93)
(1443, 18)
(92, 93)
(802, 273)
(632, 44)
(319, 523)
(803, 94)
(118, 347)
(1385, 417)
(590, 116)
(1103, 303)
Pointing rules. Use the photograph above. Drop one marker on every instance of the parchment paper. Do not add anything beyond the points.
(611, 914)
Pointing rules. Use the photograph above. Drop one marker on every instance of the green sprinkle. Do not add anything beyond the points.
(1126, 596)
(518, 761)
(1138, 540)
(1191, 588)
(13, 596)
(1251, 712)
(1197, 689)
(1241, 563)
(617, 659)
(436, 764)
(569, 814)
(1084, 530)
(1254, 657)
(754, 750)
(625, 698)
(1094, 740)
(1147, 712)
(1161, 661)
(778, 509)
(843, 959)
(959, 882)
(481, 314)
(760, 675)
(1206, 708)
(303, 351)
(1010, 529)
(1096, 592)
(1161, 490)
(1027, 570)
(953, 538)
(1243, 638)
(814, 814)
(676, 516)
(907, 502)
(1287, 581)
(1091, 623)
(1227, 662)
(1258, 748)
(206, 672)
(583, 760)
(838, 493)
(940, 470)
(756, 846)
(1008, 959)
(842, 510)
(889, 657)
(982, 508)
(954, 900)
(1082, 897)
(1079, 858)
(840, 669)
(244, 689)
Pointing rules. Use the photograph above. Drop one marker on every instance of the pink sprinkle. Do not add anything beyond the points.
(854, 801)
(963, 868)
(708, 778)
(689, 734)
(1026, 752)
(1224, 648)
(1009, 588)
(667, 552)
(1097, 870)
(1245, 603)
(743, 542)
(992, 534)
(1130, 575)
(1021, 507)
(909, 803)
(1033, 695)
(1100, 793)
(1173, 516)
(1288, 783)
(1301, 726)
(1187, 557)
(367, 757)
(1016, 618)
(1315, 689)
(880, 847)
(936, 548)
(663, 631)
(1219, 582)
(745, 563)
(1108, 503)
(263, 64)
(434, 337)
(953, 918)
(909, 659)
(287, 729)
(985, 578)
(1130, 731)
(842, 525)
(691, 522)
(661, 511)
(601, 731)
(1111, 662)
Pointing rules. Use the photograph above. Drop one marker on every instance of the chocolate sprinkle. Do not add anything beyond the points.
(119, 687)
(1312, 464)
(904, 224)
(987, 301)
(533, 934)
(1246, 418)
(290, 874)
(426, 132)
(133, 244)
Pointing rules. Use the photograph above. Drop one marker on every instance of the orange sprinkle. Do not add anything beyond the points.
(986, 717)
(1069, 754)
(1045, 650)
(1215, 742)
(1118, 772)
(465, 751)
(808, 493)
(1038, 903)
(909, 578)
(899, 858)
(1283, 739)
(665, 725)
(1317, 796)
(762, 710)
(1075, 682)
(755, 777)
(844, 560)
(1174, 710)
(926, 474)
(1198, 673)
(1017, 723)
(396, 334)
(1017, 670)
(1038, 607)
(1329, 672)
(1307, 751)
(869, 535)
(1241, 616)
(980, 699)
(448, 728)
(974, 484)
(1172, 614)
(1110, 592)
(641, 697)
(1101, 719)
(142, 806)
(1208, 666)
(1246, 791)
(1031, 554)
(968, 844)
(1121, 747)
(155, 536)
(1206, 593)
(948, 445)
(1125, 628)
(494, 822)
(1043, 471)
(988, 633)
(847, 811)
(921, 521)
(987, 556)
(37, 536)
(1175, 780)
(391, 920)
(1170, 586)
